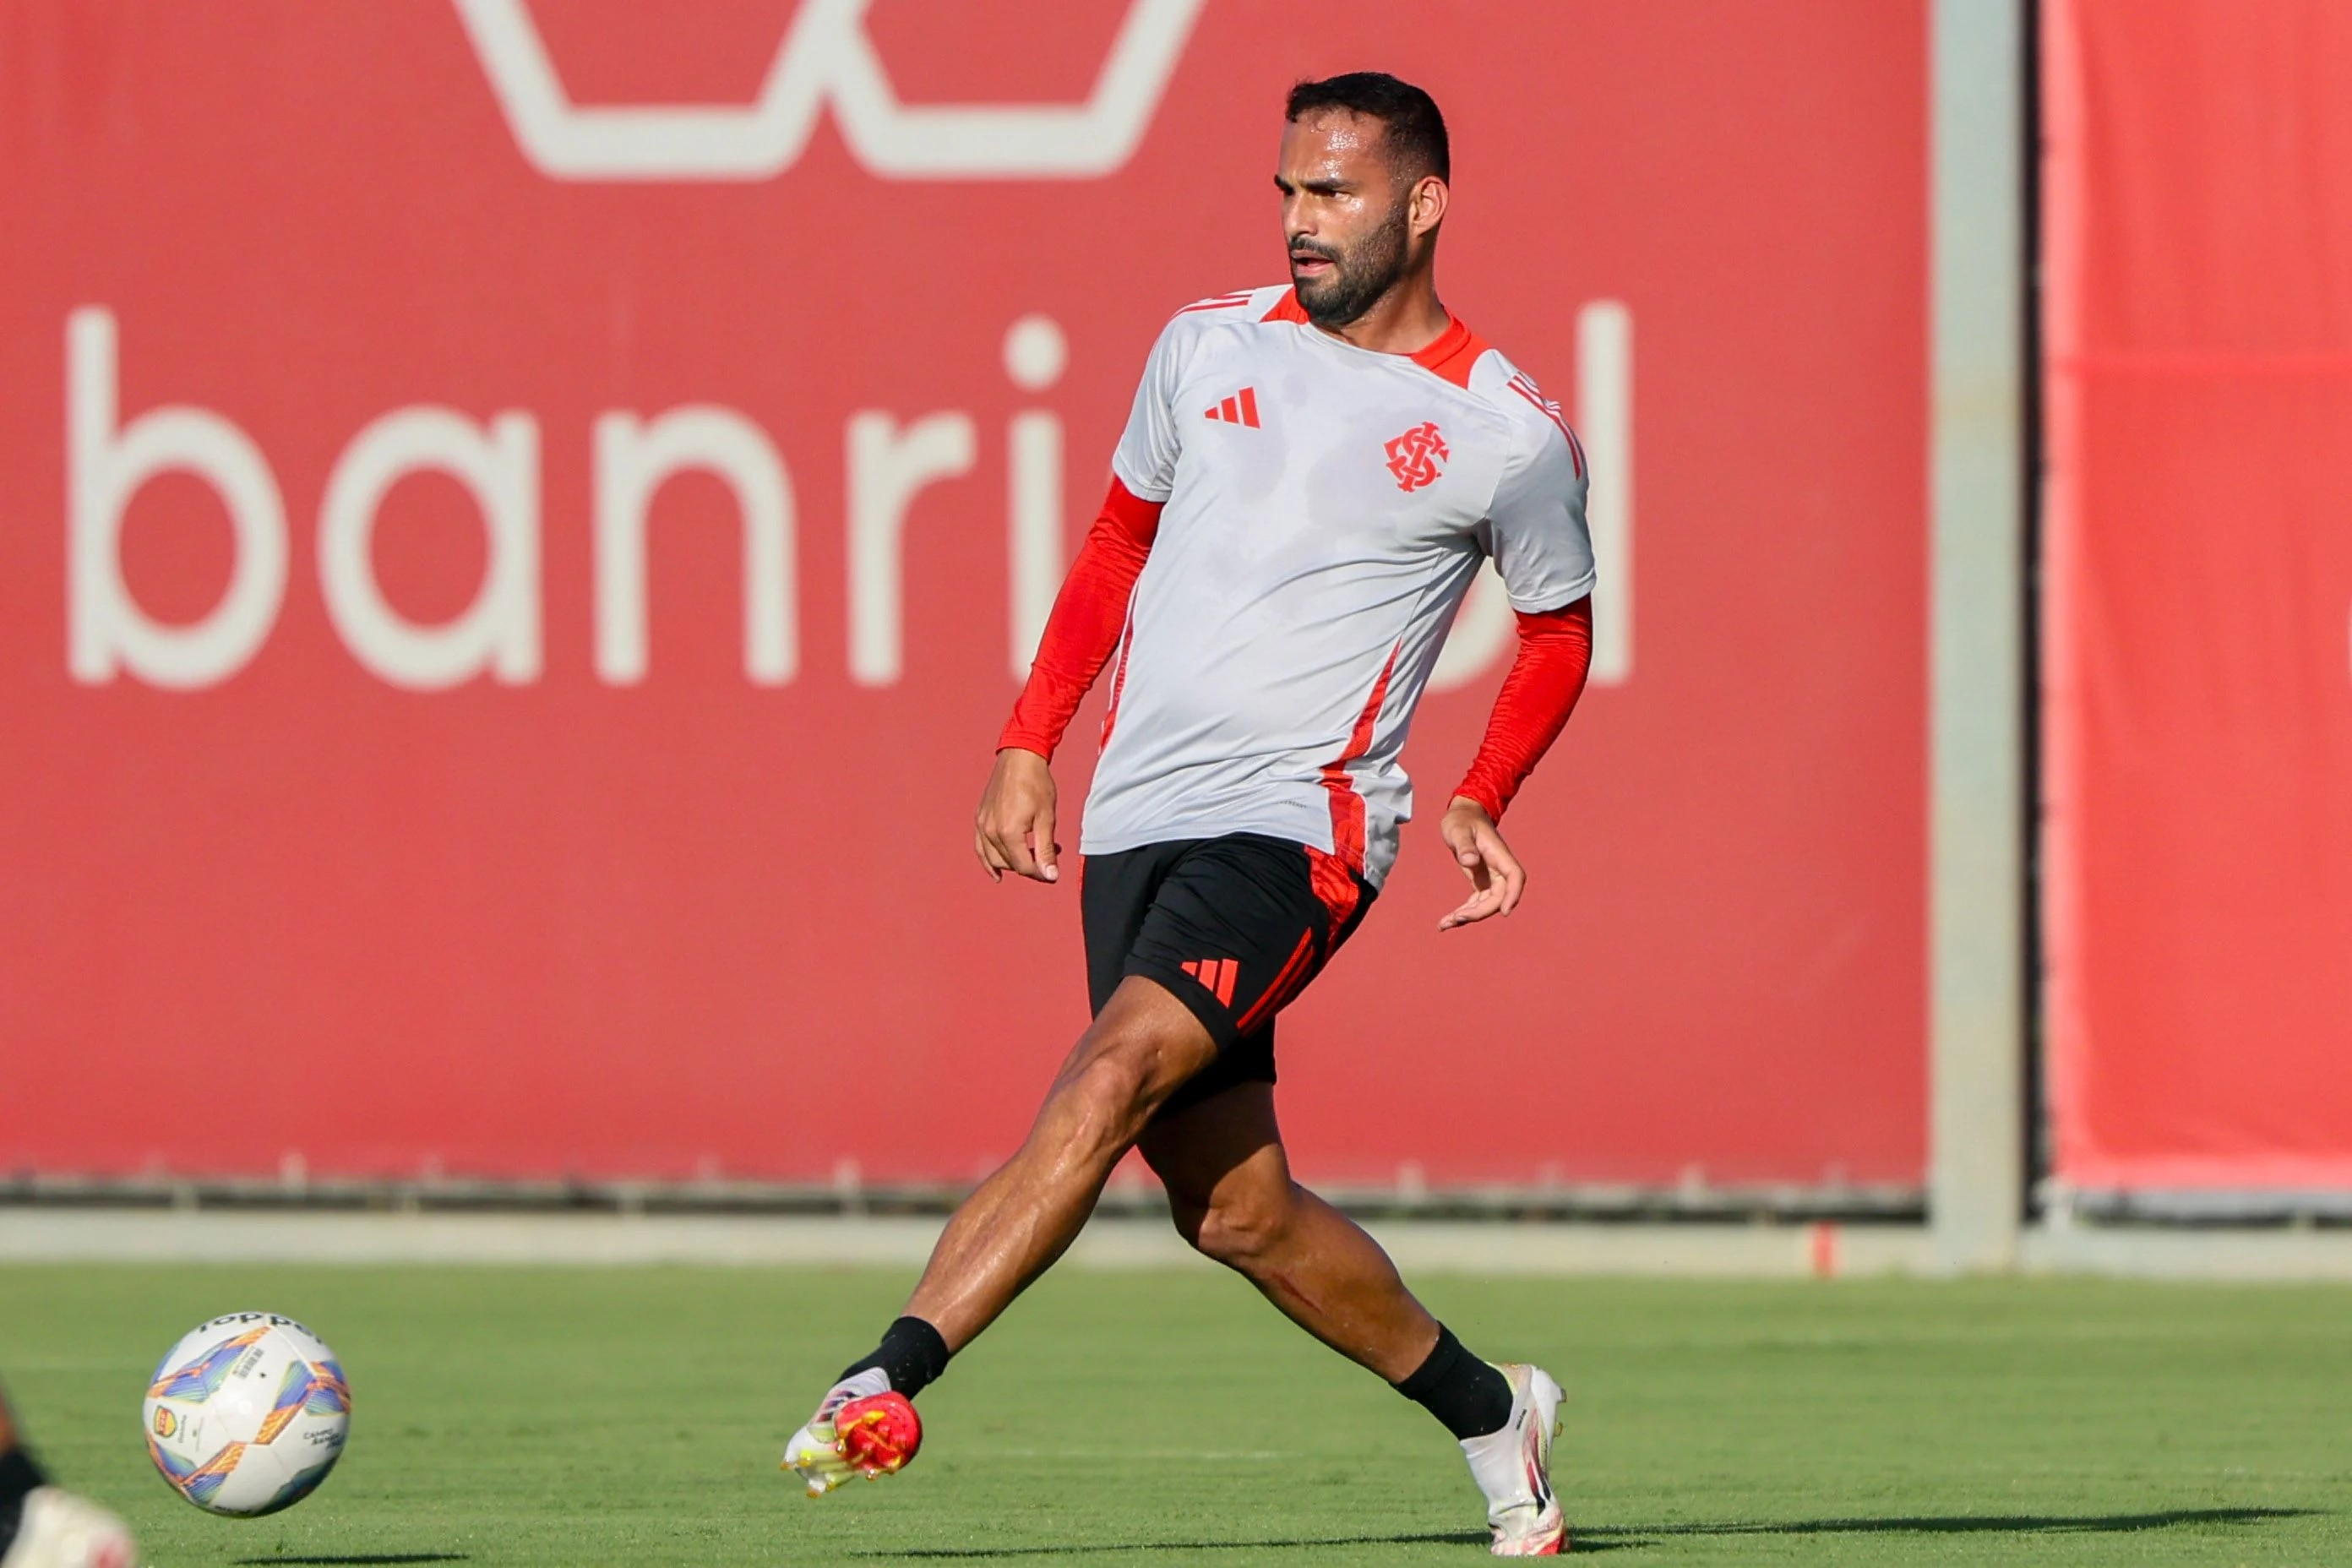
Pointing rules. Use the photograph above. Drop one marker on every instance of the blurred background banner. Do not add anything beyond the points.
(518, 525)
(2199, 675)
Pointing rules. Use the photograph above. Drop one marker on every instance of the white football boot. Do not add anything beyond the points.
(1513, 1468)
(59, 1530)
(816, 1453)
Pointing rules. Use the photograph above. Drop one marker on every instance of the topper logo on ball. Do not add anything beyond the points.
(827, 58)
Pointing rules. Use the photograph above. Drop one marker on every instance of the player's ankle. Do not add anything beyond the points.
(1470, 1398)
(912, 1355)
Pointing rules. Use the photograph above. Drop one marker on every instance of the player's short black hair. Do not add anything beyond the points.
(1416, 131)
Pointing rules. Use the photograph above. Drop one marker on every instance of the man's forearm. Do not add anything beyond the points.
(1547, 677)
(1084, 626)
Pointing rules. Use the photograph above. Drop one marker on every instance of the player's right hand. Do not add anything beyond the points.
(1497, 877)
(1014, 830)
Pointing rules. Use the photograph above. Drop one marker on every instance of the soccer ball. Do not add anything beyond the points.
(248, 1413)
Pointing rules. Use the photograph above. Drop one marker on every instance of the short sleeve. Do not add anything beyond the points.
(1536, 528)
(1145, 459)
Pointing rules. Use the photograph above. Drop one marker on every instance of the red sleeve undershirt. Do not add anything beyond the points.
(1087, 617)
(1545, 678)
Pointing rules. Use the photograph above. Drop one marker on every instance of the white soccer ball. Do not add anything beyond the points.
(248, 1413)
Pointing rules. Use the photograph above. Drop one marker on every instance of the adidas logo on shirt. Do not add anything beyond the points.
(1239, 409)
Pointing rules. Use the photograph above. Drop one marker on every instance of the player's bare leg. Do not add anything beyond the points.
(1230, 1188)
(1139, 1051)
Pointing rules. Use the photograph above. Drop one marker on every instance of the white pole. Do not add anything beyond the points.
(1976, 860)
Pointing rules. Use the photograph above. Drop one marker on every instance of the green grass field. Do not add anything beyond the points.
(634, 1415)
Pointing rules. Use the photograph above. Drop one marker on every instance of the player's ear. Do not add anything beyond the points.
(1425, 205)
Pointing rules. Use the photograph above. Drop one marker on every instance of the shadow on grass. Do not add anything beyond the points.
(1972, 1523)
(1426, 1537)
(1634, 1537)
(364, 1557)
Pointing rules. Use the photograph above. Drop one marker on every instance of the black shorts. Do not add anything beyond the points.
(1234, 927)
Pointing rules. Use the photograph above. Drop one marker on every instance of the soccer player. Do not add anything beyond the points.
(1311, 478)
(42, 1527)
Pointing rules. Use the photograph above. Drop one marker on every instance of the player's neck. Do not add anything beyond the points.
(1405, 319)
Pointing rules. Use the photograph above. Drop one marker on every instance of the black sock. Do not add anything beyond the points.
(18, 1476)
(1469, 1396)
(912, 1355)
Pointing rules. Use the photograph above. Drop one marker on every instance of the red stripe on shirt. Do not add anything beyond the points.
(1335, 875)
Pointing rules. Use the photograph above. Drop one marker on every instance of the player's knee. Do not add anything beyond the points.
(1104, 1099)
(1238, 1228)
(1188, 1216)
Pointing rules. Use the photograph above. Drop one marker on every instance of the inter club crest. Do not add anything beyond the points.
(1415, 456)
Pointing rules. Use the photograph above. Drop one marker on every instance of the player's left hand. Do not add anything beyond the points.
(1497, 877)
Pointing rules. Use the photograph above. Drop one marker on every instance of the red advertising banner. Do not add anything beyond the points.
(519, 524)
(2198, 705)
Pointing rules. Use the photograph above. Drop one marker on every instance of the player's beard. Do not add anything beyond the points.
(1360, 275)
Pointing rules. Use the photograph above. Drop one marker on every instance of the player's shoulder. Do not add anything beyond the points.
(1541, 425)
(1272, 303)
(1242, 307)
